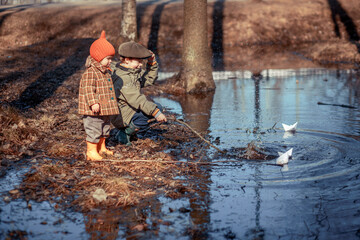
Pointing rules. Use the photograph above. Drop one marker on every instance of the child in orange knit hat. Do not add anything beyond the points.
(97, 101)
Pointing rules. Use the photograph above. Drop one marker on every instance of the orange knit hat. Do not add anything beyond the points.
(101, 48)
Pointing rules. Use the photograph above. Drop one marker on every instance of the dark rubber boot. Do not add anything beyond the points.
(124, 134)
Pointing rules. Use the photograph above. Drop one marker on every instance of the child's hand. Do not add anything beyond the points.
(161, 118)
(152, 58)
(95, 108)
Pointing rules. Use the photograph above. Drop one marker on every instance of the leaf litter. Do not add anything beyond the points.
(60, 174)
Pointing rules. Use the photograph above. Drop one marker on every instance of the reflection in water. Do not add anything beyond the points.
(129, 222)
(257, 232)
(301, 200)
(102, 225)
(197, 110)
(285, 168)
(200, 213)
(288, 134)
(257, 110)
(316, 197)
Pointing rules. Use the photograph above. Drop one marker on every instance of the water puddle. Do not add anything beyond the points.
(316, 195)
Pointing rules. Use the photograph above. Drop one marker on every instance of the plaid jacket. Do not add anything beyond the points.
(96, 86)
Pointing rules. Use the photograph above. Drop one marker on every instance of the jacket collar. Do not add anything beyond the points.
(130, 70)
(97, 65)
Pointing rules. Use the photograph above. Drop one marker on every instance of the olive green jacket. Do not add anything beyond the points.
(127, 85)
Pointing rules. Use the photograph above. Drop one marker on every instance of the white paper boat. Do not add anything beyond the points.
(283, 159)
(289, 153)
(289, 128)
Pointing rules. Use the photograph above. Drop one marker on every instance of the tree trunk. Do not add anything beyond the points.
(196, 73)
(128, 29)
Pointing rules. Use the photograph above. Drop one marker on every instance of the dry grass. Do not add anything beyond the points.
(124, 183)
(62, 175)
(16, 136)
(69, 180)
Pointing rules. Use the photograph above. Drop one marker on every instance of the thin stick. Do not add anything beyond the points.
(186, 125)
(273, 164)
(198, 134)
(154, 161)
(337, 105)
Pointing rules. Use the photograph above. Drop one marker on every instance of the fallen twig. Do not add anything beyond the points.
(273, 164)
(171, 118)
(337, 105)
(156, 161)
(198, 134)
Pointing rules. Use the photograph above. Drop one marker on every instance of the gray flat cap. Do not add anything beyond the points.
(134, 50)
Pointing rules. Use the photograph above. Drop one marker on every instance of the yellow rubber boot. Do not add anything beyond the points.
(102, 148)
(92, 152)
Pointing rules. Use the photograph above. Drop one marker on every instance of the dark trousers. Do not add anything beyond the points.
(140, 120)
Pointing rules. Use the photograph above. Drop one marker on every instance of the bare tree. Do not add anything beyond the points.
(196, 72)
(128, 29)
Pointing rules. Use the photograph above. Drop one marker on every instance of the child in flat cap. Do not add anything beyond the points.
(129, 77)
(97, 100)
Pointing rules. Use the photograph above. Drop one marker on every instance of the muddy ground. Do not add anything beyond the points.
(43, 49)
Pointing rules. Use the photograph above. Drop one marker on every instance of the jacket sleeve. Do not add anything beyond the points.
(136, 100)
(89, 87)
(150, 75)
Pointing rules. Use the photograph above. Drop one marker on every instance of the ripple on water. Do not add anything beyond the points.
(316, 156)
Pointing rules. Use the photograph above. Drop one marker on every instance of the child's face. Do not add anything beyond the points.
(106, 61)
(135, 63)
